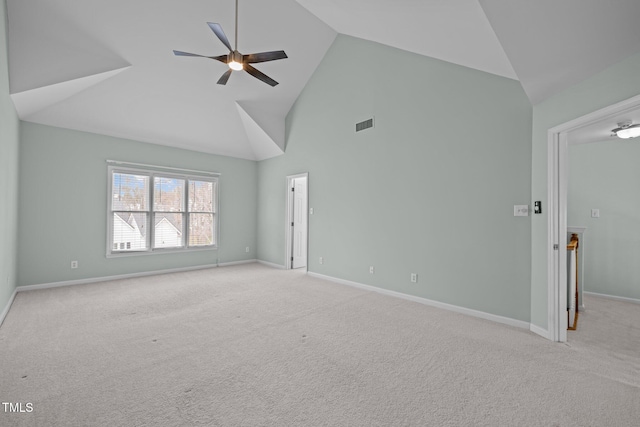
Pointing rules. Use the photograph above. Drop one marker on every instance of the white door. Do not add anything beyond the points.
(299, 215)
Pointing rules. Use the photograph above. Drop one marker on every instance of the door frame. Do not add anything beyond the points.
(288, 236)
(557, 192)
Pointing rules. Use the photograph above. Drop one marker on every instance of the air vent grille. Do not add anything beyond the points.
(364, 125)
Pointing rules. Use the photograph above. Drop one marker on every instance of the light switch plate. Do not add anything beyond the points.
(595, 213)
(520, 210)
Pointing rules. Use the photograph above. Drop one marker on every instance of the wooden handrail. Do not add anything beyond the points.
(573, 246)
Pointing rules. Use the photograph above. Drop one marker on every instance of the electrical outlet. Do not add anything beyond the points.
(247, 249)
(74, 264)
(310, 211)
(414, 278)
(371, 269)
(321, 260)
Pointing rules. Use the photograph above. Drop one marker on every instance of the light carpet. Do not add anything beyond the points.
(255, 346)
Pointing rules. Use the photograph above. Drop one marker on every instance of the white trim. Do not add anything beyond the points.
(271, 264)
(108, 278)
(168, 168)
(557, 179)
(246, 261)
(157, 251)
(557, 231)
(613, 297)
(552, 214)
(563, 190)
(538, 330)
(8, 306)
(470, 312)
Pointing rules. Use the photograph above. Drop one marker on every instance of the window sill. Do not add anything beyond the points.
(160, 251)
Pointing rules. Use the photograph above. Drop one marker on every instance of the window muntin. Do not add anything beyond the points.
(156, 211)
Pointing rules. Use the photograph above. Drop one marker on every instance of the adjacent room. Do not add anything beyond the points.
(300, 212)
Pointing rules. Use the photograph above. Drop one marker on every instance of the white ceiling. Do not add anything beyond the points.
(452, 30)
(107, 66)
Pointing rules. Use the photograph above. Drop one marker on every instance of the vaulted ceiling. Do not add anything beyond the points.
(107, 67)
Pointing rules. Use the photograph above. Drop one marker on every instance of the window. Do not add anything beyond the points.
(168, 212)
(153, 211)
(129, 210)
(201, 219)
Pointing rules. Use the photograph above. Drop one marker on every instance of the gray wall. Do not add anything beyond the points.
(9, 139)
(606, 176)
(430, 190)
(63, 180)
(617, 83)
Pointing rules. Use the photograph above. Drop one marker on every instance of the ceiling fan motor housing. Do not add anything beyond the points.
(235, 56)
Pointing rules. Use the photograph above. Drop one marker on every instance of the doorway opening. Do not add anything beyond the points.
(557, 179)
(297, 224)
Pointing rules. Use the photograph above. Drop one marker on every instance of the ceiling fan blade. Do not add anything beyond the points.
(216, 28)
(254, 58)
(221, 58)
(180, 53)
(259, 75)
(225, 77)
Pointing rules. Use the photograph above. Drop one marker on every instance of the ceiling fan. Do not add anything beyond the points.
(237, 61)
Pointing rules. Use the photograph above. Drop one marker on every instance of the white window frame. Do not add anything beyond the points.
(187, 176)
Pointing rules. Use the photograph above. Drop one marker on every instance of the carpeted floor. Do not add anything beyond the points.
(255, 346)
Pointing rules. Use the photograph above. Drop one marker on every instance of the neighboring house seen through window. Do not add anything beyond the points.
(153, 210)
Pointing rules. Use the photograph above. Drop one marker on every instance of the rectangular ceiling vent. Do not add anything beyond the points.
(364, 125)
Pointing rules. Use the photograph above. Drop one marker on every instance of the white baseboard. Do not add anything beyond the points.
(246, 261)
(438, 304)
(538, 330)
(5, 311)
(613, 297)
(271, 264)
(107, 278)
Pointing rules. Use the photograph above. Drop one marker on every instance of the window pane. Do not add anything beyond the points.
(130, 231)
(168, 194)
(201, 232)
(201, 196)
(168, 230)
(130, 192)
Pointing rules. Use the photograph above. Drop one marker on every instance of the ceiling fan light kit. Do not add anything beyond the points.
(626, 130)
(237, 61)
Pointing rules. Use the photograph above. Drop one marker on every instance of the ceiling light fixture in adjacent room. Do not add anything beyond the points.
(627, 130)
